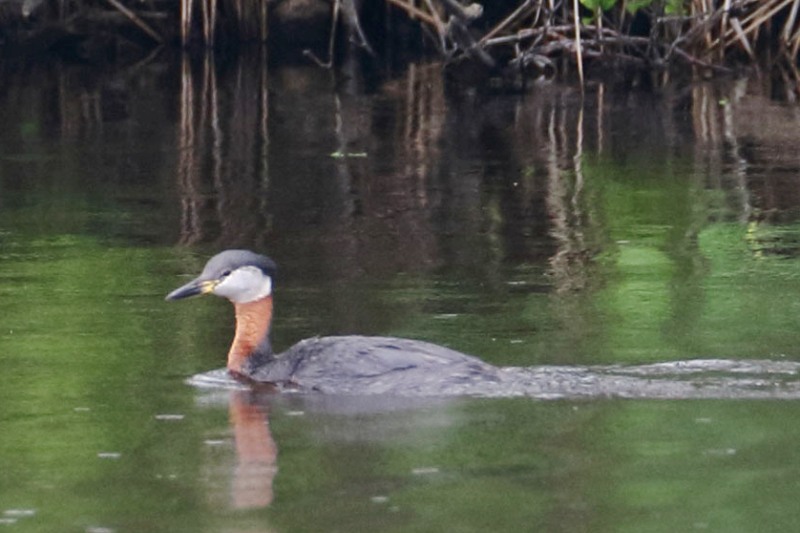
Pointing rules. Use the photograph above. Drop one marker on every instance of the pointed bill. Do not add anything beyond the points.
(195, 287)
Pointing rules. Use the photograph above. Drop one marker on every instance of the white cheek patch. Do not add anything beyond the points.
(245, 284)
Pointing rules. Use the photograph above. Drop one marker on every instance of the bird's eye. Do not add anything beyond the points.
(225, 274)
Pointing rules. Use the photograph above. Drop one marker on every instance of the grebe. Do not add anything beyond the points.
(339, 364)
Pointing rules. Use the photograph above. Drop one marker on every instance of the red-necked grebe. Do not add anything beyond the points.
(346, 364)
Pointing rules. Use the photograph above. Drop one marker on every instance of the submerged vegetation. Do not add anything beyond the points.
(511, 37)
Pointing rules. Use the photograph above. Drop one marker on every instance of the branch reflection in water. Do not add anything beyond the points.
(418, 167)
(416, 172)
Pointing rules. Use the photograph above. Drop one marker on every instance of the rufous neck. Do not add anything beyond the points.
(253, 320)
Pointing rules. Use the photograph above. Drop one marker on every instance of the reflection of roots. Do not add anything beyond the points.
(570, 262)
(374, 205)
(569, 212)
(249, 18)
(215, 190)
(570, 270)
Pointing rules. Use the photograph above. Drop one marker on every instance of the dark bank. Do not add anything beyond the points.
(501, 44)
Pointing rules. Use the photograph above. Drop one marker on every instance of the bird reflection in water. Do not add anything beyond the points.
(256, 452)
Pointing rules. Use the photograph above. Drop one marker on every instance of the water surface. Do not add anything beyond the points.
(528, 229)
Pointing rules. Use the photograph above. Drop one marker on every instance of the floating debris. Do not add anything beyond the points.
(425, 471)
(109, 455)
(344, 155)
(170, 417)
(379, 499)
(720, 452)
(19, 513)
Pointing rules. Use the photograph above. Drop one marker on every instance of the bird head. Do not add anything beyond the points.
(241, 276)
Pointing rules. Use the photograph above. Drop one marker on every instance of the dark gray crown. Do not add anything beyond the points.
(230, 260)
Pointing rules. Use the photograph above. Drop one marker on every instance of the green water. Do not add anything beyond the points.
(524, 230)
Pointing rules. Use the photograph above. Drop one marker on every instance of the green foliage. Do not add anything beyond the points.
(635, 5)
(597, 7)
(674, 7)
(671, 7)
(601, 5)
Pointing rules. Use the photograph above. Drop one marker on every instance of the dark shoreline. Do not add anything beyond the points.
(504, 44)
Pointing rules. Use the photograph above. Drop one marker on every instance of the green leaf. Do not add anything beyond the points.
(635, 5)
(674, 7)
(595, 5)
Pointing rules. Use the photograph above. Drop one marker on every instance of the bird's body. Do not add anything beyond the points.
(357, 364)
(338, 364)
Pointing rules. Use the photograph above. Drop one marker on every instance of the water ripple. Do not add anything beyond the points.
(688, 379)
